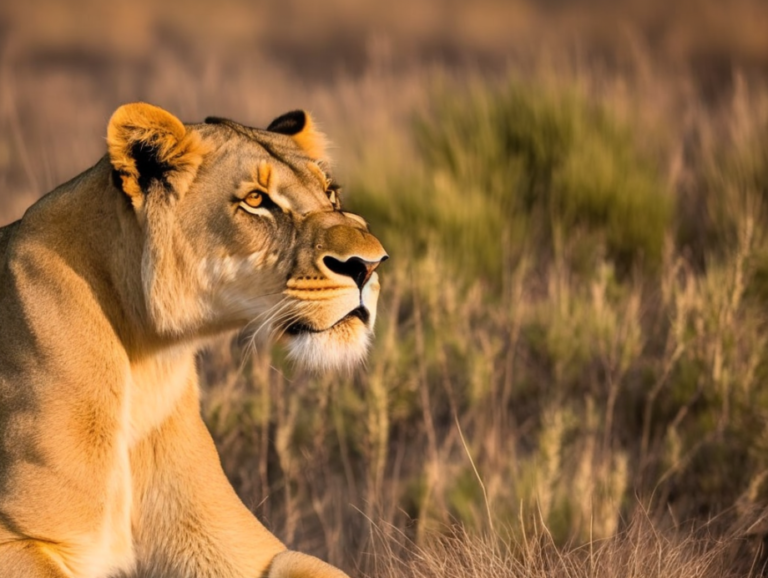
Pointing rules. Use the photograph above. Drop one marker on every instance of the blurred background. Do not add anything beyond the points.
(572, 346)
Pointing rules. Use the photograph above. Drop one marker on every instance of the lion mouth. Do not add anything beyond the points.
(300, 327)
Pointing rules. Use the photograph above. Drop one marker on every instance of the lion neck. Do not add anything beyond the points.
(84, 239)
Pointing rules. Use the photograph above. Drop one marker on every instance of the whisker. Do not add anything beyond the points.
(268, 311)
(305, 311)
(273, 315)
(278, 317)
(250, 345)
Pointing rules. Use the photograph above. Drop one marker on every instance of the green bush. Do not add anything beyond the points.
(536, 166)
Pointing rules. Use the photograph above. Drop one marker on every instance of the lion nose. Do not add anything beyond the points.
(350, 252)
(360, 270)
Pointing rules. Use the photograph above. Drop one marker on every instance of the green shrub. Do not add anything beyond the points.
(552, 163)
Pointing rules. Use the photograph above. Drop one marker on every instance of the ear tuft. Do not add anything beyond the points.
(147, 145)
(149, 165)
(299, 125)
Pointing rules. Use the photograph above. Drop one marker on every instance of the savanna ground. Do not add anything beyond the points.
(570, 376)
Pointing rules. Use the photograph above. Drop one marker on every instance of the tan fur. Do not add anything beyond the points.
(264, 175)
(311, 140)
(106, 292)
(152, 126)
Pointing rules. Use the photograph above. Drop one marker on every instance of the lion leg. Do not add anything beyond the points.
(290, 564)
(188, 520)
(25, 559)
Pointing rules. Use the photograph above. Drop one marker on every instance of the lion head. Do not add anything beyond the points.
(244, 227)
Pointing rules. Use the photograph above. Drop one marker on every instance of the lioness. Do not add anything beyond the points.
(108, 285)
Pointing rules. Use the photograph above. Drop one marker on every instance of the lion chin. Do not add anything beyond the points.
(340, 347)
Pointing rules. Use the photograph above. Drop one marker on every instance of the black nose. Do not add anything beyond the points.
(355, 267)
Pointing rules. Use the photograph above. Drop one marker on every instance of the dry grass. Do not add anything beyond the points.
(641, 550)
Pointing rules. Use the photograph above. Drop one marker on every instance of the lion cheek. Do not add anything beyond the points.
(238, 289)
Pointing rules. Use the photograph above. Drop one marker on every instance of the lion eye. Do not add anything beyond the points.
(254, 199)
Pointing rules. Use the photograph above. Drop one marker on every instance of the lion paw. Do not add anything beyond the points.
(290, 564)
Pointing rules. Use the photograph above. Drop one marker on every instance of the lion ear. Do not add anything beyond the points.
(300, 126)
(149, 147)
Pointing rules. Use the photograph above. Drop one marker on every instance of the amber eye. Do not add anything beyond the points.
(254, 199)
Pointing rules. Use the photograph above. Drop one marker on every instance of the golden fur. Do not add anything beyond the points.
(108, 284)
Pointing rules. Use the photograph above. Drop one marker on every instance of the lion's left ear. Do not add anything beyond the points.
(148, 147)
(300, 126)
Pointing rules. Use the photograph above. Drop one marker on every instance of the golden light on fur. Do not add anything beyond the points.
(300, 126)
(150, 130)
(312, 140)
(316, 170)
(264, 175)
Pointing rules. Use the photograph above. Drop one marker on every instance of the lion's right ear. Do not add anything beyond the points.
(148, 147)
(298, 125)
